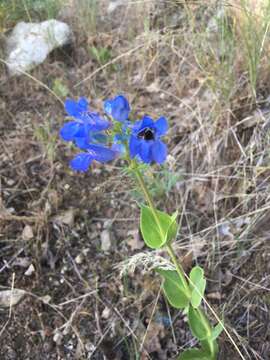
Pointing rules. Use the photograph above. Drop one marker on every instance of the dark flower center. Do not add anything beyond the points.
(147, 134)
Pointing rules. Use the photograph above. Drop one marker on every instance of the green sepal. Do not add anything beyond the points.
(174, 289)
(198, 324)
(155, 236)
(197, 286)
(194, 354)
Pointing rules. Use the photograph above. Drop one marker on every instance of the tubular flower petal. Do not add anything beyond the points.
(85, 121)
(70, 130)
(82, 161)
(75, 108)
(118, 108)
(145, 140)
(159, 151)
(161, 126)
(101, 153)
(85, 131)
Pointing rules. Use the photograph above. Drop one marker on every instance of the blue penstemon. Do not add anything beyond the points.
(141, 142)
(145, 140)
(85, 131)
(84, 121)
(118, 108)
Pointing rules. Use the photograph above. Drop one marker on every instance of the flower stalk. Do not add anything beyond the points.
(211, 345)
(168, 247)
(102, 140)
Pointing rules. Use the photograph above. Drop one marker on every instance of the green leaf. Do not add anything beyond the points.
(198, 324)
(197, 286)
(60, 88)
(194, 354)
(156, 236)
(174, 289)
(210, 347)
(172, 230)
(217, 331)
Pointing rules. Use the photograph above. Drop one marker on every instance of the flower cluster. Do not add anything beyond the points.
(84, 130)
(142, 139)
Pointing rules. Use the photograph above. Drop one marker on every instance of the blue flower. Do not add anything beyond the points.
(145, 140)
(83, 160)
(84, 122)
(118, 108)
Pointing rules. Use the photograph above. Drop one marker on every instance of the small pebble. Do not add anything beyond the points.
(79, 259)
(30, 270)
(106, 313)
(10, 182)
(107, 224)
(46, 299)
(105, 240)
(27, 233)
(57, 338)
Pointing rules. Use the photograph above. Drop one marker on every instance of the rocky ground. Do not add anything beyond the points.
(64, 236)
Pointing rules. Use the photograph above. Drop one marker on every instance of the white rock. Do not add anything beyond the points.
(11, 297)
(46, 299)
(79, 259)
(27, 233)
(105, 240)
(57, 338)
(30, 43)
(113, 5)
(30, 270)
(66, 217)
(106, 313)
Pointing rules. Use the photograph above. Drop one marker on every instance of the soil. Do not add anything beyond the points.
(76, 305)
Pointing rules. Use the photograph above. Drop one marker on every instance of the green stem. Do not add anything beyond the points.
(178, 267)
(206, 325)
(148, 198)
(168, 247)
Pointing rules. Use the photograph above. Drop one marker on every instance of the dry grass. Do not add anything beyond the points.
(205, 67)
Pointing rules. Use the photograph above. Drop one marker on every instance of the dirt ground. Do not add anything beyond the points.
(53, 221)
